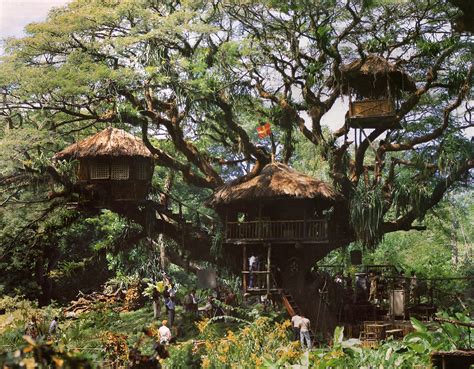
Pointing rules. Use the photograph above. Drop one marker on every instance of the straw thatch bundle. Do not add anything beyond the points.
(110, 142)
(371, 76)
(276, 180)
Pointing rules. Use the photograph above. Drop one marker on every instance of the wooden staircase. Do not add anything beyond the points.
(293, 309)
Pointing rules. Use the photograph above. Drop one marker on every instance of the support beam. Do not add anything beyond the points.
(244, 263)
(269, 255)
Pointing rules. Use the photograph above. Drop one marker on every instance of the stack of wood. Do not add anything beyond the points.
(87, 302)
(133, 298)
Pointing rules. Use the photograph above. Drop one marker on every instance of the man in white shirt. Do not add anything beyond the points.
(53, 327)
(165, 333)
(304, 333)
(295, 324)
(253, 266)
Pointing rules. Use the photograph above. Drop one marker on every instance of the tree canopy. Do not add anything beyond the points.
(195, 79)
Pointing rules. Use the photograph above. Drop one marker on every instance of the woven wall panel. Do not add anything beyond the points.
(119, 171)
(99, 170)
(141, 171)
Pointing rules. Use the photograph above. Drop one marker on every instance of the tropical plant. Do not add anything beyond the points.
(195, 79)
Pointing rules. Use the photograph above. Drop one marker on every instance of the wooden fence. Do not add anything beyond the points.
(315, 229)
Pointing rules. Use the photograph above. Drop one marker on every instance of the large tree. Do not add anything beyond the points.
(194, 78)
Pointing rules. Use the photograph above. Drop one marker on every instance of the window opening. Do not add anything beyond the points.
(99, 170)
(141, 170)
(119, 171)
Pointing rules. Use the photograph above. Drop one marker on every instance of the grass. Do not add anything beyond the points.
(90, 330)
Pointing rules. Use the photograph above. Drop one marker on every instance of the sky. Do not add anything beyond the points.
(16, 14)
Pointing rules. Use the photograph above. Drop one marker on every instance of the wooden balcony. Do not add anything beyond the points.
(373, 114)
(279, 231)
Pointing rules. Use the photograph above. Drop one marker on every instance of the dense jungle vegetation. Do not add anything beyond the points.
(194, 79)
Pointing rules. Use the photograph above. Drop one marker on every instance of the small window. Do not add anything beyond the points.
(99, 170)
(141, 170)
(119, 171)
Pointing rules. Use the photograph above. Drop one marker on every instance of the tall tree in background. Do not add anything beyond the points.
(196, 77)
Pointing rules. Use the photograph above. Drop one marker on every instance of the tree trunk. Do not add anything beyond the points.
(162, 249)
(156, 308)
(164, 201)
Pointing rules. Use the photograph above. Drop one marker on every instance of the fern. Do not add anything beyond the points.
(366, 213)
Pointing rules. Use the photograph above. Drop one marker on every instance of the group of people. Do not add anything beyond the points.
(165, 291)
(33, 328)
(302, 331)
(374, 286)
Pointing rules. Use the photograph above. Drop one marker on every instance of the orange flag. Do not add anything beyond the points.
(264, 130)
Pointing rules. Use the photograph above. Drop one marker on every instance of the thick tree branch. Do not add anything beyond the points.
(404, 223)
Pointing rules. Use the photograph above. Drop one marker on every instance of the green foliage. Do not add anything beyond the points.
(153, 288)
(246, 348)
(183, 357)
(43, 355)
(367, 214)
(201, 76)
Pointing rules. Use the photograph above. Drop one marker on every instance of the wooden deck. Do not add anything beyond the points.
(373, 114)
(314, 231)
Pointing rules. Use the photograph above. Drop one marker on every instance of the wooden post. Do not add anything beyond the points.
(226, 229)
(259, 224)
(244, 262)
(305, 233)
(269, 254)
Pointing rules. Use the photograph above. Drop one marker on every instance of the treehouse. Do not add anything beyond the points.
(284, 218)
(374, 87)
(113, 166)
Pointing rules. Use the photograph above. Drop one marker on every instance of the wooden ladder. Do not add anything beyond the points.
(293, 309)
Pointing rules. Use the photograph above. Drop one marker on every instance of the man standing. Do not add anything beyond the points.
(171, 306)
(53, 326)
(295, 323)
(32, 328)
(190, 302)
(253, 266)
(373, 280)
(156, 297)
(165, 333)
(413, 287)
(304, 333)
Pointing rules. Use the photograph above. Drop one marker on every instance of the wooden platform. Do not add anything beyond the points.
(453, 360)
(373, 114)
(277, 231)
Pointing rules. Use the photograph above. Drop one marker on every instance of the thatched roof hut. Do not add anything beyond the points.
(372, 76)
(276, 180)
(111, 142)
(113, 165)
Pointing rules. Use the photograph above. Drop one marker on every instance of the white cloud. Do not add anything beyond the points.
(16, 14)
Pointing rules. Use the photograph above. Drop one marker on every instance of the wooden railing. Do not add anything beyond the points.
(314, 230)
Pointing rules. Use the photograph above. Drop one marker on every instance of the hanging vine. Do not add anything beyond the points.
(366, 213)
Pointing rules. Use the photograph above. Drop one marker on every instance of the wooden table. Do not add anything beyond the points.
(396, 333)
(379, 329)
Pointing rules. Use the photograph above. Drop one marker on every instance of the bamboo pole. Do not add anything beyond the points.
(244, 276)
(269, 253)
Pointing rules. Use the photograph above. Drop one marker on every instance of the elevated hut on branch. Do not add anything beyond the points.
(113, 166)
(283, 217)
(374, 87)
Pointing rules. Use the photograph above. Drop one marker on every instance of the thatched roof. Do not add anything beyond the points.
(369, 77)
(276, 180)
(111, 142)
